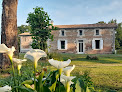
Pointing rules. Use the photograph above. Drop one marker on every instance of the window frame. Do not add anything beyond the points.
(59, 44)
(78, 31)
(101, 44)
(99, 32)
(96, 46)
(60, 33)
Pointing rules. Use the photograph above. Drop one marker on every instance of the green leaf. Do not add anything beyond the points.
(28, 86)
(88, 90)
(77, 86)
(23, 89)
(40, 84)
(52, 88)
(30, 82)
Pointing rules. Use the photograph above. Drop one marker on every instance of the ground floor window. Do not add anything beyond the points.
(97, 44)
(62, 44)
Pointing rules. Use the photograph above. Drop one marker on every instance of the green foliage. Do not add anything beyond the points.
(118, 40)
(84, 83)
(112, 21)
(117, 45)
(101, 22)
(23, 28)
(119, 36)
(41, 28)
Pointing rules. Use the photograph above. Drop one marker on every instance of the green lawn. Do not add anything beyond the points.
(106, 73)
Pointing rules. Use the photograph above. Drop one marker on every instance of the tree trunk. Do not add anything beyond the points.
(9, 34)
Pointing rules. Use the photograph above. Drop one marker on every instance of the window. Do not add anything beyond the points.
(62, 44)
(97, 32)
(97, 44)
(80, 32)
(62, 32)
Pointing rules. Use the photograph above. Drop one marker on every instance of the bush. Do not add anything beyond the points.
(92, 57)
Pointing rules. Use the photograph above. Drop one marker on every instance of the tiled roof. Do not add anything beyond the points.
(25, 34)
(112, 25)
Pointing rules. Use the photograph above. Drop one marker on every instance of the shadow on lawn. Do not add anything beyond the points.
(103, 61)
(109, 88)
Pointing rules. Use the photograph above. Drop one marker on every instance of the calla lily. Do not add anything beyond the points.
(5, 89)
(35, 55)
(64, 82)
(67, 78)
(5, 49)
(59, 64)
(19, 63)
(9, 52)
(67, 81)
(68, 70)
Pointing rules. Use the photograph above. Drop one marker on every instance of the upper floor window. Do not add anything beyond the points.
(97, 32)
(62, 32)
(80, 32)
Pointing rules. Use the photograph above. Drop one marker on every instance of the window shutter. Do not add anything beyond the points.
(101, 44)
(65, 44)
(58, 45)
(93, 44)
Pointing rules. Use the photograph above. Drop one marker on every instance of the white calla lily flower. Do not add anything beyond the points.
(67, 78)
(59, 64)
(35, 55)
(67, 81)
(64, 82)
(68, 70)
(5, 49)
(19, 62)
(5, 89)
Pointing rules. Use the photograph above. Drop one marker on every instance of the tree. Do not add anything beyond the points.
(9, 29)
(119, 36)
(101, 22)
(23, 28)
(40, 28)
(118, 40)
(113, 21)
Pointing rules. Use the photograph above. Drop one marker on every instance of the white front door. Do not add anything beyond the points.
(80, 47)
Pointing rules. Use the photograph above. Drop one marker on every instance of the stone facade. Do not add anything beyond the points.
(80, 39)
(85, 43)
(25, 42)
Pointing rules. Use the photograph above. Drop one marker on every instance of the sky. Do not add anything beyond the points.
(64, 12)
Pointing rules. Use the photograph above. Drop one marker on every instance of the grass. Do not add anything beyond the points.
(106, 73)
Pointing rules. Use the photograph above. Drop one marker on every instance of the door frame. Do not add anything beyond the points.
(78, 46)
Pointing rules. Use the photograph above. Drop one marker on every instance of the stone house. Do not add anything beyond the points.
(25, 42)
(82, 39)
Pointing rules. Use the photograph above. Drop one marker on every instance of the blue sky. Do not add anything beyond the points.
(72, 11)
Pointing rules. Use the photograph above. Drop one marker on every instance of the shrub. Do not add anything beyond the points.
(92, 57)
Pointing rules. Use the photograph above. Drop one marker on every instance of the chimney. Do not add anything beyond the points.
(52, 22)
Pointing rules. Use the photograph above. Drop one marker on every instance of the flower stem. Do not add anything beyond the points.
(13, 72)
(18, 76)
(34, 78)
(60, 71)
(67, 87)
(59, 82)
